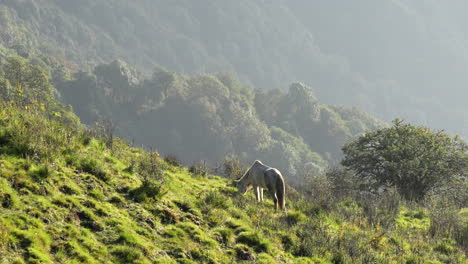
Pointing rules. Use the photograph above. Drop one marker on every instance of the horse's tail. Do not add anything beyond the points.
(281, 192)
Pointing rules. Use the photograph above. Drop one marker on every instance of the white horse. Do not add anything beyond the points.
(260, 176)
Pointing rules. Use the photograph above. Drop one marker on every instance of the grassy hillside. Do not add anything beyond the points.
(69, 195)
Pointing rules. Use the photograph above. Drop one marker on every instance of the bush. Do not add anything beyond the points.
(344, 184)
(381, 209)
(198, 169)
(233, 168)
(318, 190)
(412, 159)
(172, 160)
(447, 222)
(150, 168)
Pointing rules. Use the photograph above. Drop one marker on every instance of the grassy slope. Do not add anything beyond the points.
(69, 202)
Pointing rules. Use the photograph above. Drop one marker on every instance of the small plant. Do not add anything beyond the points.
(254, 240)
(199, 169)
(215, 200)
(446, 222)
(7, 200)
(233, 168)
(446, 246)
(293, 218)
(152, 174)
(102, 129)
(126, 254)
(148, 190)
(92, 166)
(172, 160)
(150, 168)
(41, 173)
(243, 253)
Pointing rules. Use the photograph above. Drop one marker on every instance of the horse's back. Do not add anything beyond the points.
(273, 175)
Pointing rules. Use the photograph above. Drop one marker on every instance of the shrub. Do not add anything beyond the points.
(447, 222)
(172, 160)
(318, 190)
(344, 184)
(233, 168)
(103, 129)
(149, 168)
(198, 169)
(381, 209)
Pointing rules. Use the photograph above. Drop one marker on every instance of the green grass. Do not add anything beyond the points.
(78, 202)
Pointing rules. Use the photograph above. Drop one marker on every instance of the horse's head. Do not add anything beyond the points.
(242, 187)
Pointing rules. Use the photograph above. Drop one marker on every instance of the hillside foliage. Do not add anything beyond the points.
(208, 117)
(415, 160)
(382, 66)
(66, 197)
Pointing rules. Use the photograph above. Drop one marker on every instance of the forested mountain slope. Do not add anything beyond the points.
(393, 58)
(208, 117)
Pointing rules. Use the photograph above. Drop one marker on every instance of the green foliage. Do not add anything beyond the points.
(413, 159)
(50, 211)
(151, 171)
(198, 168)
(92, 166)
(254, 240)
(148, 190)
(172, 160)
(233, 167)
(212, 116)
(126, 254)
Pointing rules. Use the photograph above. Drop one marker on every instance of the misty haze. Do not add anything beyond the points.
(299, 131)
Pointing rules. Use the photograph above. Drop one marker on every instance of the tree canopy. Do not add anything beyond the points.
(412, 159)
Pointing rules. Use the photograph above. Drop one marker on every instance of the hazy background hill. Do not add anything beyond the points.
(402, 58)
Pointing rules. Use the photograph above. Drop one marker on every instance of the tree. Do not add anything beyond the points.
(30, 81)
(413, 159)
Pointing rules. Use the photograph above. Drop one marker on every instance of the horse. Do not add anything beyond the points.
(260, 176)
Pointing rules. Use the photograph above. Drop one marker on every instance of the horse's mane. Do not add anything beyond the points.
(251, 166)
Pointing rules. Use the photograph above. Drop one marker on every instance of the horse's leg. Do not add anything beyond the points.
(261, 194)
(257, 193)
(275, 200)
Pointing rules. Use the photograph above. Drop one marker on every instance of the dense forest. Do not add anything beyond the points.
(123, 125)
(410, 62)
